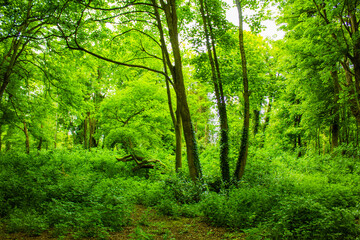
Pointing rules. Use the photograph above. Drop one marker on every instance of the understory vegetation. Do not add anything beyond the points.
(91, 194)
(112, 108)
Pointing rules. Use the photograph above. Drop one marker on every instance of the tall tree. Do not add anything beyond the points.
(243, 153)
(94, 15)
(218, 89)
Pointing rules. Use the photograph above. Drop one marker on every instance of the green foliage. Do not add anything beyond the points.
(240, 208)
(28, 221)
(68, 192)
(168, 207)
(300, 217)
(140, 234)
(313, 197)
(183, 189)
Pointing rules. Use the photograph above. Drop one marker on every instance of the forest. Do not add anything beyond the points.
(109, 106)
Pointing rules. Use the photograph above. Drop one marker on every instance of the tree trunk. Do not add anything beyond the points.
(27, 141)
(175, 117)
(243, 153)
(220, 99)
(335, 125)
(178, 154)
(92, 127)
(256, 121)
(0, 137)
(169, 9)
(85, 131)
(267, 115)
(56, 130)
(41, 139)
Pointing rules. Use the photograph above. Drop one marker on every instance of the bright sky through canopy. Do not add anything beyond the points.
(271, 30)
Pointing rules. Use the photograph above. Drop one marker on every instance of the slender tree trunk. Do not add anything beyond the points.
(85, 131)
(256, 121)
(27, 141)
(220, 99)
(267, 114)
(92, 126)
(176, 120)
(243, 153)
(335, 125)
(169, 8)
(357, 135)
(56, 130)
(0, 137)
(41, 139)
(178, 154)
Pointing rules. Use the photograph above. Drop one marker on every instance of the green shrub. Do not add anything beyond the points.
(190, 210)
(168, 207)
(183, 189)
(300, 217)
(69, 188)
(242, 208)
(215, 209)
(148, 193)
(26, 221)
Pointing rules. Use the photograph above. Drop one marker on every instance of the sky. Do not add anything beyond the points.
(271, 30)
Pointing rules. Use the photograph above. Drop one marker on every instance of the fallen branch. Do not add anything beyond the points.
(140, 162)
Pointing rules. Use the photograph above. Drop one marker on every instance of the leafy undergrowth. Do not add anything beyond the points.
(146, 224)
(82, 195)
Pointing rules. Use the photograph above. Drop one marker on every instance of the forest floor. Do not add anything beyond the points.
(147, 224)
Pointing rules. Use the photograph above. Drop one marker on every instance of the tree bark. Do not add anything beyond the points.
(0, 137)
(243, 153)
(256, 121)
(85, 131)
(56, 130)
(27, 141)
(175, 117)
(220, 99)
(92, 127)
(178, 153)
(335, 125)
(169, 9)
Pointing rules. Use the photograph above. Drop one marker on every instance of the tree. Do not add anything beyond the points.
(210, 42)
(135, 13)
(241, 162)
(328, 30)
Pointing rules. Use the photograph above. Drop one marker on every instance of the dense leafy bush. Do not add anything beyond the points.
(240, 208)
(88, 195)
(284, 197)
(28, 221)
(71, 192)
(183, 189)
(301, 217)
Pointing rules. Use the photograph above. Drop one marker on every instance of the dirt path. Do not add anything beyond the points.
(147, 224)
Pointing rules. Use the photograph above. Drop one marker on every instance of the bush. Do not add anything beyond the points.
(215, 209)
(66, 191)
(183, 189)
(27, 221)
(300, 217)
(168, 207)
(242, 208)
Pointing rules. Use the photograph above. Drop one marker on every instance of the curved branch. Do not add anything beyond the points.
(136, 30)
(121, 14)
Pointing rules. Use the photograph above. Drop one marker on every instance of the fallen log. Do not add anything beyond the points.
(140, 162)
